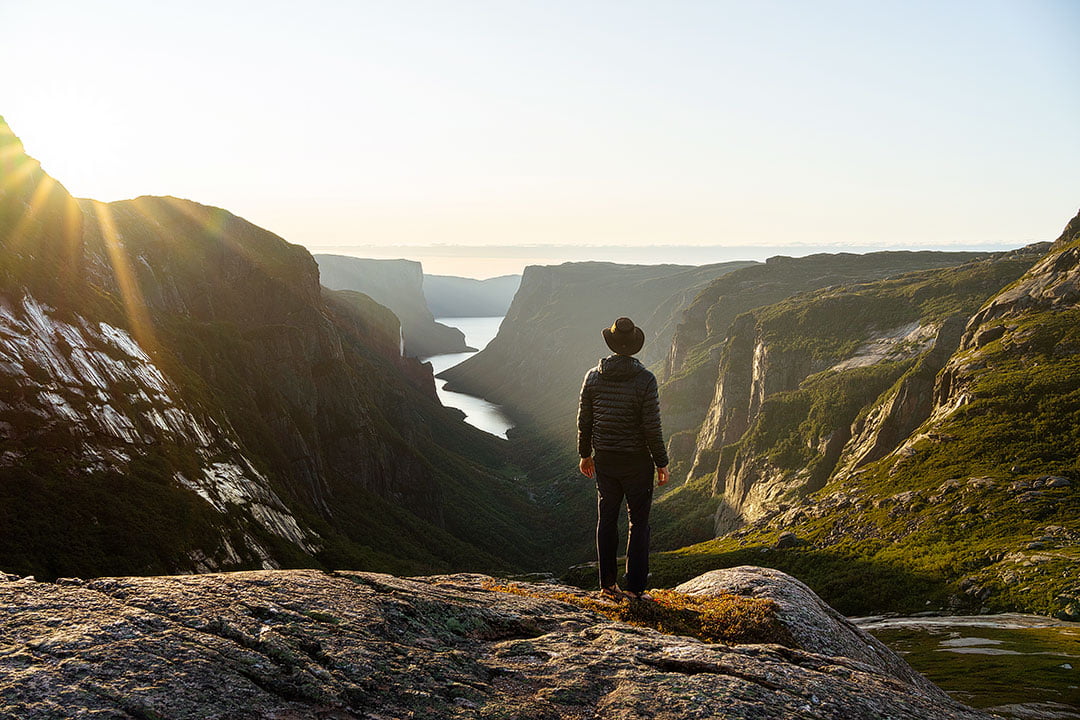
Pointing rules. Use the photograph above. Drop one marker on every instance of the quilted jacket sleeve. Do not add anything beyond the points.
(585, 418)
(650, 423)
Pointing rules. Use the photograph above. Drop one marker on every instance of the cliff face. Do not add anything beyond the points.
(943, 472)
(360, 645)
(399, 285)
(551, 335)
(177, 393)
(697, 343)
(795, 377)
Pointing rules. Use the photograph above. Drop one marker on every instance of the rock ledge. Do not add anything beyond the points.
(310, 644)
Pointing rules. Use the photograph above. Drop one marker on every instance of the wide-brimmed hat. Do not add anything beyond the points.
(623, 337)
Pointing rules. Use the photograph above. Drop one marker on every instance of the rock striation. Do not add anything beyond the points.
(292, 644)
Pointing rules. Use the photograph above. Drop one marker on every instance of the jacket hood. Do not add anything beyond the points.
(619, 367)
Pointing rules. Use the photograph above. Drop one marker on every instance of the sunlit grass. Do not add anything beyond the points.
(721, 618)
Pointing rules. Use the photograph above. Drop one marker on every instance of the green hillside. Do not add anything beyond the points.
(955, 484)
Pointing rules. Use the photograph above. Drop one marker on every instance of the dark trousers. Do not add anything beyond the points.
(618, 476)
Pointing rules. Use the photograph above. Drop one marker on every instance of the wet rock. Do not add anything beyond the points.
(1056, 482)
(1036, 545)
(306, 644)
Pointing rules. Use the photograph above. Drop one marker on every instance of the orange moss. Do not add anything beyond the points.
(725, 618)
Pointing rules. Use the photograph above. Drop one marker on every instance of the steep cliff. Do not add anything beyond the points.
(694, 356)
(449, 296)
(177, 393)
(551, 334)
(293, 644)
(399, 285)
(947, 479)
(840, 373)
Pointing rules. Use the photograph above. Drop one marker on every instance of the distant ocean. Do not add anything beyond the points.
(479, 261)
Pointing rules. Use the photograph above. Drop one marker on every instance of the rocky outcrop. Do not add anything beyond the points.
(360, 645)
(814, 625)
(399, 285)
(1051, 286)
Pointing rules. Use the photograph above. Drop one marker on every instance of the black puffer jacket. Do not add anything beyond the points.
(620, 410)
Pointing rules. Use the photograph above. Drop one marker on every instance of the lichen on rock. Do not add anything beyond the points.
(306, 643)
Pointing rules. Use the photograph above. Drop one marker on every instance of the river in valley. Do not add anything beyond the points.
(1018, 666)
(479, 413)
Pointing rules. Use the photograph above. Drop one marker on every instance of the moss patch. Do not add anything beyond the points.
(725, 618)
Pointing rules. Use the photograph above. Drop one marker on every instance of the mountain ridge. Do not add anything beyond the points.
(452, 296)
(180, 393)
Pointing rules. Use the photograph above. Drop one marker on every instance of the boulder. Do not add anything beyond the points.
(815, 626)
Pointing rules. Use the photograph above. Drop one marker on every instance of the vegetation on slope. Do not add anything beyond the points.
(976, 509)
(798, 434)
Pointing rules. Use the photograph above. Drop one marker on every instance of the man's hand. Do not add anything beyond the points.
(586, 467)
(662, 476)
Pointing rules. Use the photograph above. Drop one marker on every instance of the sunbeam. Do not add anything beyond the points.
(38, 200)
(131, 295)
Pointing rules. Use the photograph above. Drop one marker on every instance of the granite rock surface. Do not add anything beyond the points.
(311, 644)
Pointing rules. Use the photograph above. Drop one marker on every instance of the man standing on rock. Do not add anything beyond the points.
(619, 419)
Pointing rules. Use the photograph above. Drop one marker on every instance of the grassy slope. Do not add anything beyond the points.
(958, 544)
(707, 320)
(828, 326)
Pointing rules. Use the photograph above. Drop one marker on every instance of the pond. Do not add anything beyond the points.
(1019, 666)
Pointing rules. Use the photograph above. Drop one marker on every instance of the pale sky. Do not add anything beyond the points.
(341, 124)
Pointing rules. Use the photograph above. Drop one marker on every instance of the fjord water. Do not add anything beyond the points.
(1019, 666)
(479, 413)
